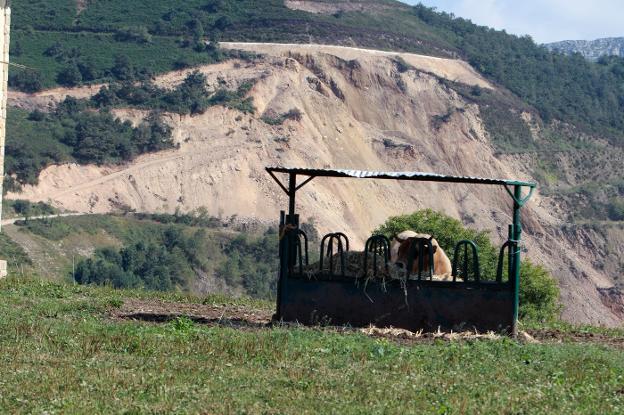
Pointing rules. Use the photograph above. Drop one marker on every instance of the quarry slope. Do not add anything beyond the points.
(361, 110)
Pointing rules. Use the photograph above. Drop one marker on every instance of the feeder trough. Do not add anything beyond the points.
(366, 288)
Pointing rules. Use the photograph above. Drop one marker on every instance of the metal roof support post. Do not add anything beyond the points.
(292, 221)
(283, 267)
(292, 190)
(287, 245)
(517, 235)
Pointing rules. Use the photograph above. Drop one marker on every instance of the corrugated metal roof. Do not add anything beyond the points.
(398, 175)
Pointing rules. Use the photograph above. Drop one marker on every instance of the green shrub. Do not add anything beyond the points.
(51, 229)
(401, 65)
(448, 232)
(26, 81)
(25, 208)
(539, 293)
(69, 76)
(138, 34)
(616, 209)
(271, 118)
(190, 97)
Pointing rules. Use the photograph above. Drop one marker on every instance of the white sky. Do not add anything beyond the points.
(544, 20)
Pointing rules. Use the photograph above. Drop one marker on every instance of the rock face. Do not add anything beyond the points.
(360, 110)
(591, 49)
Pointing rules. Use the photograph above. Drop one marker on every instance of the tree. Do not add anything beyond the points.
(27, 80)
(17, 49)
(122, 68)
(88, 70)
(213, 6)
(36, 115)
(69, 76)
(196, 29)
(539, 293)
(138, 34)
(22, 208)
(222, 23)
(106, 97)
(616, 210)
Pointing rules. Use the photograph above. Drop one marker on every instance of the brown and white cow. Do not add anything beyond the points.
(399, 251)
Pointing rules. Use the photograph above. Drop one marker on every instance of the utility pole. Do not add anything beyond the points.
(5, 41)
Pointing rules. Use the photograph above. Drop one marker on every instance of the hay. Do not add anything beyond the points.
(394, 333)
(354, 268)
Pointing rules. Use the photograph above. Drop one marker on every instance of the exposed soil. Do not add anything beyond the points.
(159, 312)
(156, 311)
(323, 7)
(558, 336)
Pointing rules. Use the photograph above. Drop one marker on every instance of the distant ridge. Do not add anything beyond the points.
(591, 49)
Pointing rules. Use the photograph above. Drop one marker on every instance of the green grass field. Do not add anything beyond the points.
(63, 352)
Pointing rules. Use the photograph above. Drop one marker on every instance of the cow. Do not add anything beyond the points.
(399, 252)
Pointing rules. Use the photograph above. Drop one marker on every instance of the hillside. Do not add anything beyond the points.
(590, 49)
(189, 253)
(111, 351)
(429, 122)
(187, 140)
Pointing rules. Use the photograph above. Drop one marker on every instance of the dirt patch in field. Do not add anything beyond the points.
(160, 312)
(558, 336)
(156, 311)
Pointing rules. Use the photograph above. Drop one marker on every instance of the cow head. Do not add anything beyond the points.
(416, 244)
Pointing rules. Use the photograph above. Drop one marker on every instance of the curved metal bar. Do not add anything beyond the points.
(305, 241)
(301, 249)
(422, 244)
(475, 260)
(300, 256)
(322, 252)
(510, 246)
(330, 238)
(342, 235)
(342, 257)
(378, 245)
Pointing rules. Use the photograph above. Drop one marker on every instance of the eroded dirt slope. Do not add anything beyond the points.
(360, 111)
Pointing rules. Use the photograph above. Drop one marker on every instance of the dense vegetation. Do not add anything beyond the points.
(72, 133)
(539, 293)
(252, 263)
(25, 209)
(165, 262)
(169, 259)
(192, 96)
(58, 340)
(166, 252)
(125, 44)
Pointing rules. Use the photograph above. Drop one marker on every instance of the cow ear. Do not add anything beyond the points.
(434, 248)
(431, 238)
